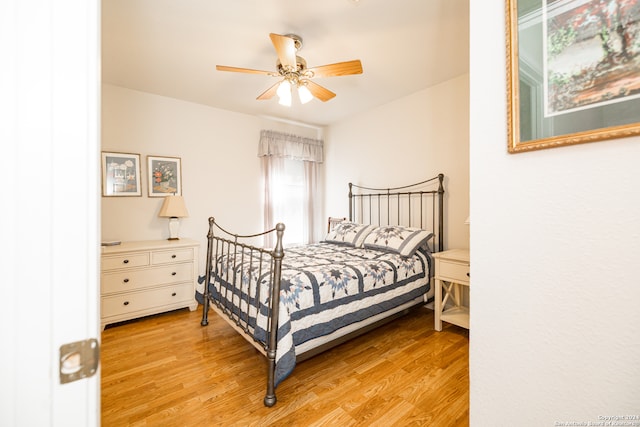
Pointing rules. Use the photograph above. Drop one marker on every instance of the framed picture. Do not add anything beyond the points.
(121, 174)
(165, 176)
(573, 72)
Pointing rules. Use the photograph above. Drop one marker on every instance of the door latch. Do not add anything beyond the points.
(79, 360)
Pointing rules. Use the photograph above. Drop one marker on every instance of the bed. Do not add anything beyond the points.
(370, 269)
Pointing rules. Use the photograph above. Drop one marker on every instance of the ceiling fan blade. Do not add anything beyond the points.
(320, 92)
(244, 70)
(269, 93)
(338, 69)
(285, 48)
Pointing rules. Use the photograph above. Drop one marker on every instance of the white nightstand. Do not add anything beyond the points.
(452, 273)
(147, 277)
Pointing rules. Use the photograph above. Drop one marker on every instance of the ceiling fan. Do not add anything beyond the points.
(295, 74)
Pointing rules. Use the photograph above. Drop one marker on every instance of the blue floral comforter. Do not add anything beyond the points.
(325, 287)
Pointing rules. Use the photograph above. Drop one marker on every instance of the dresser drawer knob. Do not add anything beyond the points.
(126, 303)
(173, 294)
(126, 261)
(468, 274)
(173, 256)
(174, 273)
(126, 280)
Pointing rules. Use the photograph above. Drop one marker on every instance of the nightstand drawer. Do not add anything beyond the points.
(140, 278)
(140, 301)
(131, 260)
(164, 257)
(457, 272)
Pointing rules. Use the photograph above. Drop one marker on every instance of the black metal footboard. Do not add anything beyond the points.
(235, 266)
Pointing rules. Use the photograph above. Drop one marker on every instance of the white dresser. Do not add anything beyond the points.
(147, 277)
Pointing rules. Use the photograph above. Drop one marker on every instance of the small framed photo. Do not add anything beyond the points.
(120, 174)
(165, 176)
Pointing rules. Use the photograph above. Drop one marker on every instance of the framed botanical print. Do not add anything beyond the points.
(120, 174)
(165, 176)
(573, 71)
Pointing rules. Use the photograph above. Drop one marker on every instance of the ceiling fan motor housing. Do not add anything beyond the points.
(297, 41)
(301, 65)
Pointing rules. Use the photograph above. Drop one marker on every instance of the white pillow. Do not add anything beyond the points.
(349, 233)
(398, 239)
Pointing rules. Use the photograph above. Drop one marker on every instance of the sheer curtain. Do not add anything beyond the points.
(290, 183)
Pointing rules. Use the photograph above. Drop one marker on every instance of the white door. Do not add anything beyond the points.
(49, 216)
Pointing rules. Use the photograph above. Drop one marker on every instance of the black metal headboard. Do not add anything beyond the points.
(416, 205)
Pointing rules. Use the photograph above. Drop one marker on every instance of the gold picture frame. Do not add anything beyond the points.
(561, 90)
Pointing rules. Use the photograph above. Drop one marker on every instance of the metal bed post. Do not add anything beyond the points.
(440, 213)
(205, 303)
(278, 254)
(350, 202)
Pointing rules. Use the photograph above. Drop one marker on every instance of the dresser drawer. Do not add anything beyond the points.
(177, 255)
(158, 298)
(137, 259)
(451, 270)
(127, 280)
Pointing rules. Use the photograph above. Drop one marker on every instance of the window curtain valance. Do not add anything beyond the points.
(290, 146)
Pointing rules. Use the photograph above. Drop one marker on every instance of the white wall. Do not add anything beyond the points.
(403, 142)
(214, 144)
(220, 167)
(555, 241)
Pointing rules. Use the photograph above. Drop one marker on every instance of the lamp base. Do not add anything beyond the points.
(174, 225)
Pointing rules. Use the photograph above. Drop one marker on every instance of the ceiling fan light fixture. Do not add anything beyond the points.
(304, 94)
(284, 93)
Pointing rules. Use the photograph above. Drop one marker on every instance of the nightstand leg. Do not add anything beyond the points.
(438, 306)
(457, 295)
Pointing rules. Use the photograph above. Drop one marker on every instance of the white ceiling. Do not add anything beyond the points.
(171, 48)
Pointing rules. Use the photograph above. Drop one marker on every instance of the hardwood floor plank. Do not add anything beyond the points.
(337, 417)
(167, 370)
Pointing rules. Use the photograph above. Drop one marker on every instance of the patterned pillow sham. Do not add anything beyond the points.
(349, 233)
(398, 239)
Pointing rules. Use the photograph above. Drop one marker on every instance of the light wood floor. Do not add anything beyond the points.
(167, 370)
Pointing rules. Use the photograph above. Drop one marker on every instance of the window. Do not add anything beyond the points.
(289, 169)
(288, 201)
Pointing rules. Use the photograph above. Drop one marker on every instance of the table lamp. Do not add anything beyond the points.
(173, 208)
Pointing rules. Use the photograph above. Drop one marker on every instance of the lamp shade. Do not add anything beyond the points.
(173, 207)
(304, 94)
(284, 93)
